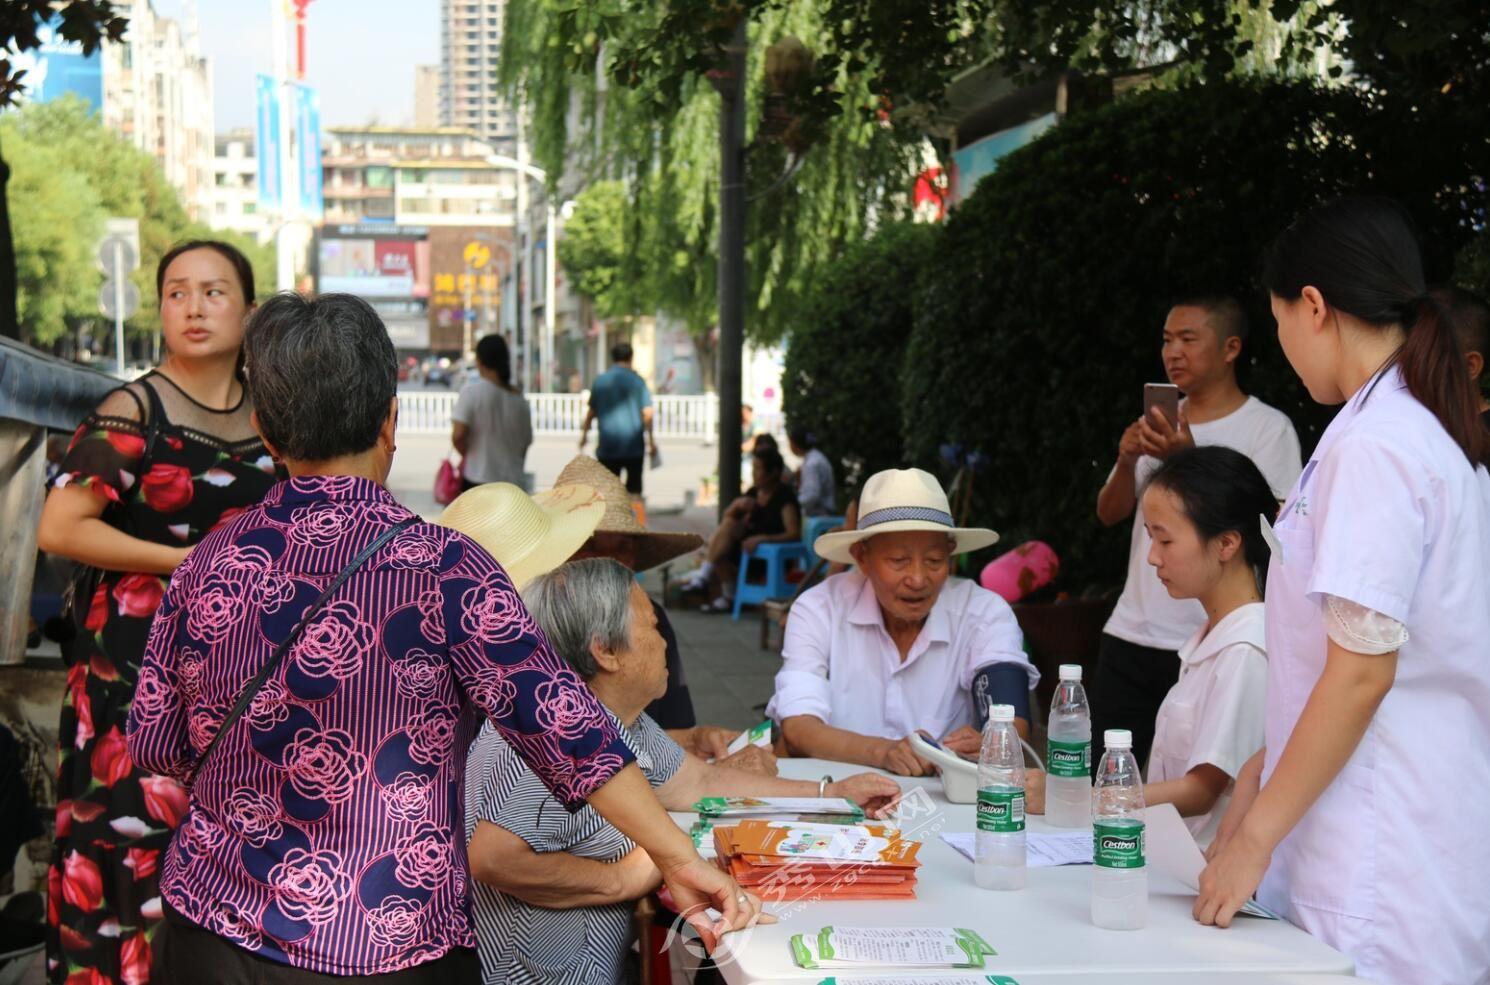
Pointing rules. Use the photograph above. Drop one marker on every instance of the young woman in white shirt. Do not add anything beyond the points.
(1364, 818)
(1202, 510)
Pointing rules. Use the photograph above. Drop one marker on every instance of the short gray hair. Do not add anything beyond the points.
(580, 603)
(321, 372)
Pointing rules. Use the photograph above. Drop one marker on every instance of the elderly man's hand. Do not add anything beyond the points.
(1034, 791)
(899, 758)
(966, 742)
(751, 759)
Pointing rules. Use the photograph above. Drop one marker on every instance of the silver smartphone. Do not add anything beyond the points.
(1165, 396)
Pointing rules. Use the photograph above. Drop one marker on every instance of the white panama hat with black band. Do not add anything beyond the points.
(897, 501)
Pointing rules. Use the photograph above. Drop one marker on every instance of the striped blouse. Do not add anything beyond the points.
(522, 944)
(324, 832)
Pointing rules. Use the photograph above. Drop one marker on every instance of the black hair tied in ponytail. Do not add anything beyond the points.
(1222, 490)
(1362, 257)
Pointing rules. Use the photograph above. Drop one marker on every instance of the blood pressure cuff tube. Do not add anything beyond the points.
(1001, 684)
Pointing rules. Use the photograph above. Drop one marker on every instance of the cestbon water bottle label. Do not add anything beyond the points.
(1118, 845)
(1001, 810)
(1069, 760)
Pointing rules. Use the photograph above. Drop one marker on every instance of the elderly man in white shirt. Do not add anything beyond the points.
(898, 646)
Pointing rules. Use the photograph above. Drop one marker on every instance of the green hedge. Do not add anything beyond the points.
(1041, 319)
(844, 357)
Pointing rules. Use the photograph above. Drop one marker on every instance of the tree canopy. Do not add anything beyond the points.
(622, 91)
(68, 173)
(87, 22)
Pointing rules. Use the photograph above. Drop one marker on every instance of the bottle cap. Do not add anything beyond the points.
(1001, 713)
(1118, 738)
(1070, 672)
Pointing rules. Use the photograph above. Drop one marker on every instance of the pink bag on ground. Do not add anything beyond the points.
(448, 481)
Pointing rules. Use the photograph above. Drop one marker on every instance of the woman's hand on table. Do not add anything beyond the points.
(875, 793)
(697, 886)
(1230, 879)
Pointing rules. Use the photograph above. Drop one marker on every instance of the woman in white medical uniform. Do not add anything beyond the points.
(1366, 817)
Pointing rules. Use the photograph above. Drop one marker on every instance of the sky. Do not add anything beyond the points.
(360, 55)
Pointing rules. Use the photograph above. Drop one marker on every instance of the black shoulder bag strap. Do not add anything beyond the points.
(252, 688)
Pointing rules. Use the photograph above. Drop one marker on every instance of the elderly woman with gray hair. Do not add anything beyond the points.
(553, 892)
(314, 675)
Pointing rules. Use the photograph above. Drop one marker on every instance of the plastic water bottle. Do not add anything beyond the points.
(1001, 856)
(1120, 879)
(1068, 754)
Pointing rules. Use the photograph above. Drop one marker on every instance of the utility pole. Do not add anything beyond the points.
(731, 86)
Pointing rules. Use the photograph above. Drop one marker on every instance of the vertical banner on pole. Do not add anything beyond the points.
(267, 142)
(308, 147)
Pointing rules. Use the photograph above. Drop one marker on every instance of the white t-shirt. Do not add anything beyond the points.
(1146, 614)
(501, 431)
(1216, 711)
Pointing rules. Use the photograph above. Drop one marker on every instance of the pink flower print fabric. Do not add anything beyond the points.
(323, 832)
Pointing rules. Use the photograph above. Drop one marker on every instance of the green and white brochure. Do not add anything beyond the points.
(891, 947)
(756, 735)
(914, 979)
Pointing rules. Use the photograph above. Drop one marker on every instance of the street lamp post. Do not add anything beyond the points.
(730, 82)
(550, 268)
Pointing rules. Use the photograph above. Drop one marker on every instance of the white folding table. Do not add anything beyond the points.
(1044, 933)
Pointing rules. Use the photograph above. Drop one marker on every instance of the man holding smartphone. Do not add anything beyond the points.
(1139, 662)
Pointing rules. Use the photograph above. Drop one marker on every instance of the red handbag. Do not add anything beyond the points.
(448, 482)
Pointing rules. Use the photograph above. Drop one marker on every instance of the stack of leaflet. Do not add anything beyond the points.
(804, 860)
(866, 948)
(715, 811)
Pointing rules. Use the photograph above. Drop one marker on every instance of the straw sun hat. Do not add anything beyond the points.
(652, 547)
(526, 538)
(900, 500)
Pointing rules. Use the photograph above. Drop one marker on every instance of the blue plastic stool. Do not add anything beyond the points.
(776, 558)
(815, 527)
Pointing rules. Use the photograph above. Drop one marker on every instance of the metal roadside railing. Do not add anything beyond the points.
(678, 415)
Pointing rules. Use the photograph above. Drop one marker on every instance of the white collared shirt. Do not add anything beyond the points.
(839, 663)
(1216, 710)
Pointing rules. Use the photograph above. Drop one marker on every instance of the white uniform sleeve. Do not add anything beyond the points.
(802, 683)
(1277, 456)
(1229, 724)
(462, 412)
(991, 635)
(1362, 630)
(1370, 526)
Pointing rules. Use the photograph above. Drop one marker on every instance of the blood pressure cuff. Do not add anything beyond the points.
(1001, 684)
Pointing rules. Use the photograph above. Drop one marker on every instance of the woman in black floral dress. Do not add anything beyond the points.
(157, 465)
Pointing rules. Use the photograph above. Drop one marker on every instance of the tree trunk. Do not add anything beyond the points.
(9, 324)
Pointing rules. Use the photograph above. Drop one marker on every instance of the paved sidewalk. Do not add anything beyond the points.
(728, 673)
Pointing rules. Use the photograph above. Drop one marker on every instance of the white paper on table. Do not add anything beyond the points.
(1042, 849)
(1195, 864)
